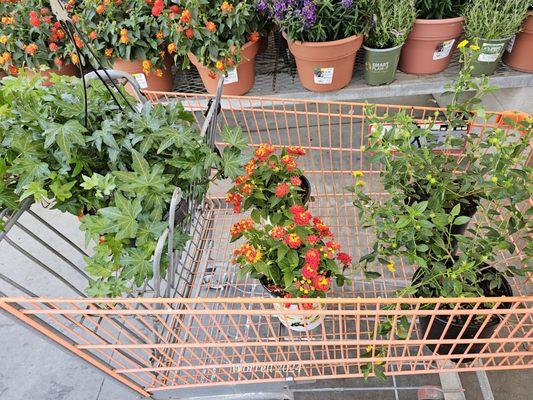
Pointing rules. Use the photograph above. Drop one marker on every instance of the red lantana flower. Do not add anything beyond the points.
(264, 151)
(247, 189)
(34, 18)
(302, 219)
(297, 209)
(241, 226)
(53, 47)
(344, 258)
(309, 271)
(312, 239)
(278, 232)
(282, 190)
(289, 162)
(157, 9)
(320, 282)
(312, 257)
(296, 181)
(322, 229)
(296, 151)
(236, 200)
(293, 241)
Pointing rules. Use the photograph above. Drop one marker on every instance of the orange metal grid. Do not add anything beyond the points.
(226, 330)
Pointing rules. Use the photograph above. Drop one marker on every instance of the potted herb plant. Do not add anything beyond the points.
(490, 25)
(294, 257)
(391, 23)
(324, 37)
(119, 168)
(436, 185)
(132, 36)
(518, 51)
(32, 39)
(272, 183)
(220, 39)
(431, 43)
(262, 23)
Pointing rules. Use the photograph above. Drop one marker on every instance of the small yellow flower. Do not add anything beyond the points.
(360, 183)
(368, 348)
(379, 361)
(462, 44)
(474, 47)
(390, 267)
(159, 35)
(3, 39)
(357, 174)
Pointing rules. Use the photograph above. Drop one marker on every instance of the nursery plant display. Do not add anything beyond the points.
(437, 184)
(131, 36)
(518, 51)
(117, 170)
(431, 43)
(391, 23)
(31, 38)
(324, 37)
(219, 38)
(272, 183)
(490, 26)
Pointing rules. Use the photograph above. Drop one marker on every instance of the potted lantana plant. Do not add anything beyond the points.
(220, 39)
(324, 37)
(490, 25)
(437, 184)
(391, 23)
(132, 36)
(518, 51)
(31, 38)
(433, 39)
(272, 183)
(295, 257)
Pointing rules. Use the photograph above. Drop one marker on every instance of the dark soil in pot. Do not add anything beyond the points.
(272, 289)
(435, 331)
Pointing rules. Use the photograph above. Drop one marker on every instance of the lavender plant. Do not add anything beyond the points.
(391, 23)
(320, 20)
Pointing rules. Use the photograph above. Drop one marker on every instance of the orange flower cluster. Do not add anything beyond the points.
(264, 151)
(250, 253)
(239, 227)
(236, 200)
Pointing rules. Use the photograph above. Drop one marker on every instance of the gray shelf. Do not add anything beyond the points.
(276, 76)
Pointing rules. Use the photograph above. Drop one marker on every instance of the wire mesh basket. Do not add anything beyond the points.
(221, 329)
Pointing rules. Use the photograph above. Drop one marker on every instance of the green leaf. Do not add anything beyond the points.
(456, 210)
(67, 135)
(62, 191)
(461, 220)
(36, 190)
(231, 163)
(234, 137)
(121, 220)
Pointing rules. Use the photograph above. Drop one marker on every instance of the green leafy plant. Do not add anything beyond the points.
(485, 19)
(439, 9)
(117, 172)
(320, 20)
(31, 37)
(391, 23)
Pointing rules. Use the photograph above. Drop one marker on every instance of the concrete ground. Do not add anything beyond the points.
(33, 368)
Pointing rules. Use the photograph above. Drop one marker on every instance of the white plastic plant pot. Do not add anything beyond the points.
(299, 323)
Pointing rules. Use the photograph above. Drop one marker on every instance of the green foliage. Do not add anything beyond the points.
(439, 9)
(118, 173)
(487, 19)
(391, 23)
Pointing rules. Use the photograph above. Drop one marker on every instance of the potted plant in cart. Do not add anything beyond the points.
(324, 37)
(518, 51)
(220, 39)
(31, 38)
(132, 36)
(490, 25)
(435, 190)
(391, 23)
(431, 43)
(272, 183)
(294, 257)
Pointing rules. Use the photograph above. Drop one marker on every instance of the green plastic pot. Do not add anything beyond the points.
(490, 54)
(381, 65)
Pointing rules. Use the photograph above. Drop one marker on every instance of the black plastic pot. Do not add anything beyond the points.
(436, 329)
(271, 288)
(306, 186)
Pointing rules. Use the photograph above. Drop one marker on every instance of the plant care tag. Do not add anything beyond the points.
(510, 45)
(377, 66)
(141, 80)
(323, 76)
(232, 77)
(490, 52)
(443, 49)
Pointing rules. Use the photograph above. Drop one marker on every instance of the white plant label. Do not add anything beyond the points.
(323, 76)
(141, 80)
(443, 50)
(232, 77)
(490, 52)
(511, 44)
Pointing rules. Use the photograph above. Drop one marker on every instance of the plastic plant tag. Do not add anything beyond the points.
(323, 76)
(232, 77)
(490, 52)
(510, 45)
(443, 50)
(141, 80)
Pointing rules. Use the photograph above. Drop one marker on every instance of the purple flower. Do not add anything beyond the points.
(347, 3)
(309, 13)
(261, 6)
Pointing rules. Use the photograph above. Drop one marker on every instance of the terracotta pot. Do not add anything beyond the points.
(325, 66)
(151, 81)
(240, 80)
(519, 51)
(66, 70)
(430, 45)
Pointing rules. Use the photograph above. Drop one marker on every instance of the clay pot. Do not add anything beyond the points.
(66, 70)
(240, 80)
(325, 66)
(151, 81)
(430, 45)
(518, 54)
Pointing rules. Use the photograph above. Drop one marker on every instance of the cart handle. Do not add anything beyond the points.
(120, 77)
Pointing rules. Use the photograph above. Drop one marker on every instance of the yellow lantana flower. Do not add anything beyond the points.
(462, 44)
(390, 267)
(474, 47)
